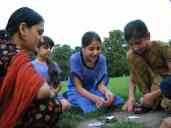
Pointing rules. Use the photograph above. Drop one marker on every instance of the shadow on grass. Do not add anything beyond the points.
(126, 125)
(74, 117)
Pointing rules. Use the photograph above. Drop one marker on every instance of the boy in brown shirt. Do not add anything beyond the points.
(149, 62)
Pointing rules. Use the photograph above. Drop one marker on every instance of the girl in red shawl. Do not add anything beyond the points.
(24, 95)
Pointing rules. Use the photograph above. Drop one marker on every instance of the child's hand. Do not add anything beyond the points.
(57, 88)
(128, 106)
(109, 96)
(44, 91)
(99, 102)
(52, 93)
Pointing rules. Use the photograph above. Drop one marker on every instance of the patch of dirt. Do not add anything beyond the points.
(149, 120)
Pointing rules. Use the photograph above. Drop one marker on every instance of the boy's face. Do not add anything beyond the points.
(139, 46)
(44, 51)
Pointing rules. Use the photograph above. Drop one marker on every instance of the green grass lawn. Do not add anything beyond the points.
(119, 86)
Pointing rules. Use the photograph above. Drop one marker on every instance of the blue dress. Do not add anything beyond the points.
(42, 69)
(90, 79)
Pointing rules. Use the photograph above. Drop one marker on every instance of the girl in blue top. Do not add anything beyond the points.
(48, 69)
(87, 84)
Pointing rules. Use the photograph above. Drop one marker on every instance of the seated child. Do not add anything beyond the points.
(48, 69)
(87, 84)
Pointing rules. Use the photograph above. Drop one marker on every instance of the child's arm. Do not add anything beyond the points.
(108, 94)
(131, 95)
(44, 91)
(98, 100)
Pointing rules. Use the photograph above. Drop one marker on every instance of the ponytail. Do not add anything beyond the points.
(54, 73)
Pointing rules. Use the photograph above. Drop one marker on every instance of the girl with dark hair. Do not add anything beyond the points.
(23, 89)
(87, 84)
(48, 69)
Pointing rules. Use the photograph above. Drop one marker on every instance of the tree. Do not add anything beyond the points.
(61, 54)
(113, 47)
(169, 42)
(115, 52)
(77, 49)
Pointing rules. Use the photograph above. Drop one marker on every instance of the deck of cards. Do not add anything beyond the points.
(110, 119)
(95, 124)
(133, 118)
